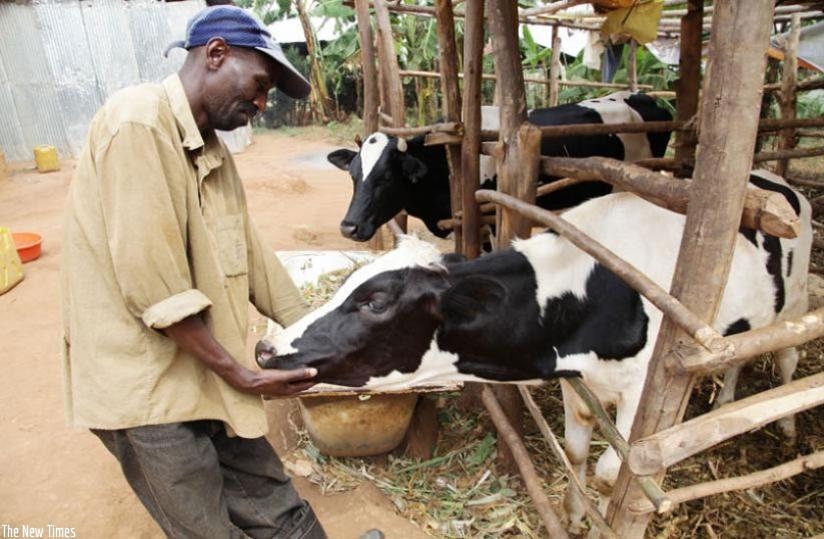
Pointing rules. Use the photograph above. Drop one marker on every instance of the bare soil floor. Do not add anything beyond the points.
(51, 474)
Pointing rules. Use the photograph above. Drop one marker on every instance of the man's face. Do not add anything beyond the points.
(239, 88)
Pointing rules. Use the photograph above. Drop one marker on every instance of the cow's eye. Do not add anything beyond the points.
(376, 306)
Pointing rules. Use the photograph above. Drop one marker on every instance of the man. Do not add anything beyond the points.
(159, 263)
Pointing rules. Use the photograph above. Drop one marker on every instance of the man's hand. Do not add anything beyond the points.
(192, 335)
(277, 383)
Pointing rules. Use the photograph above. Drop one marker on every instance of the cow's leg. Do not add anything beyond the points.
(727, 393)
(577, 433)
(606, 470)
(787, 359)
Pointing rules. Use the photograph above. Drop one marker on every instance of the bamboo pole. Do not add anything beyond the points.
(518, 170)
(451, 105)
(740, 36)
(751, 344)
(532, 482)
(655, 453)
(763, 210)
(787, 98)
(753, 480)
(639, 282)
(560, 454)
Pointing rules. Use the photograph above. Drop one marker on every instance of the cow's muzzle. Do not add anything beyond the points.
(265, 354)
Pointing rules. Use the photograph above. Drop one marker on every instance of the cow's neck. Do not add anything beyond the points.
(581, 308)
(429, 199)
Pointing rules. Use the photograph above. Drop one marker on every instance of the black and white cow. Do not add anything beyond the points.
(391, 174)
(539, 310)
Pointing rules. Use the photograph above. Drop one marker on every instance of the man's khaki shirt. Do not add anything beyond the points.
(156, 230)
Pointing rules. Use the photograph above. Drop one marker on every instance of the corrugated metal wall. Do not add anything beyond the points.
(59, 60)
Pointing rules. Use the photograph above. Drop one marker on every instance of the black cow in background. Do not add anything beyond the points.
(391, 174)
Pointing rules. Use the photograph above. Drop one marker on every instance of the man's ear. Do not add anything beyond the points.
(413, 168)
(341, 158)
(216, 52)
(471, 297)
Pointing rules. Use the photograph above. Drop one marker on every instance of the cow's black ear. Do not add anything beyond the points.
(414, 168)
(341, 158)
(470, 297)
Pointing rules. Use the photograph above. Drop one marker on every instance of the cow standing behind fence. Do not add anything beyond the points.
(541, 309)
(391, 174)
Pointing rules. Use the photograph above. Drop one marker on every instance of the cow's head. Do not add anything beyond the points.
(379, 330)
(383, 172)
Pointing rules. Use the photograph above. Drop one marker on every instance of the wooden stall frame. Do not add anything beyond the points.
(517, 143)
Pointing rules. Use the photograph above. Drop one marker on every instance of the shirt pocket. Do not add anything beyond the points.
(231, 244)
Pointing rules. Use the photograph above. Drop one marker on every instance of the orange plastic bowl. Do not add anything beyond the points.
(27, 245)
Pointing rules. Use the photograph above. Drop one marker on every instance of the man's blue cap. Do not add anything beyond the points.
(240, 29)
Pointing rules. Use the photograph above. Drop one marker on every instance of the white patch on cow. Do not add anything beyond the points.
(371, 151)
(571, 268)
(411, 252)
(636, 145)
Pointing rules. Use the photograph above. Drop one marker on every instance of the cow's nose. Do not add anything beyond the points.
(348, 230)
(265, 354)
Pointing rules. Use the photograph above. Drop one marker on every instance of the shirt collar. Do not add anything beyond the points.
(210, 156)
(191, 137)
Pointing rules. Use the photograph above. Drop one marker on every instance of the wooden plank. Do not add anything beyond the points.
(653, 454)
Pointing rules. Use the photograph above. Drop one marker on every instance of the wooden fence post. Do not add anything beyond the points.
(740, 35)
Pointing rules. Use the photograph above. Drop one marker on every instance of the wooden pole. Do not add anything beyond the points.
(560, 454)
(370, 74)
(390, 77)
(657, 452)
(751, 344)
(451, 105)
(787, 97)
(632, 66)
(689, 82)
(517, 163)
(753, 480)
(373, 93)
(473, 69)
(763, 210)
(513, 441)
(740, 36)
(555, 68)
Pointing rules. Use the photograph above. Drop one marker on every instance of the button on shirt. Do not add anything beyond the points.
(156, 230)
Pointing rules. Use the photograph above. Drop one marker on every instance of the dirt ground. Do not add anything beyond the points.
(52, 474)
